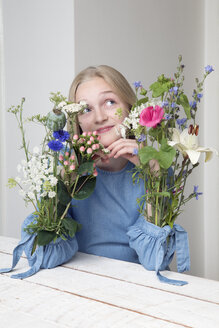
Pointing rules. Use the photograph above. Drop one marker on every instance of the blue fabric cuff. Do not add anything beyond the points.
(44, 257)
(156, 246)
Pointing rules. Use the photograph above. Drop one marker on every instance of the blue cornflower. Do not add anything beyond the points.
(61, 135)
(181, 121)
(193, 104)
(55, 145)
(173, 105)
(165, 103)
(197, 194)
(142, 137)
(199, 96)
(137, 84)
(208, 69)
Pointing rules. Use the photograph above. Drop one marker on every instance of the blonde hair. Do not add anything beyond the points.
(114, 78)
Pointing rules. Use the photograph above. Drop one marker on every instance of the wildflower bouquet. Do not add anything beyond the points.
(63, 169)
(165, 127)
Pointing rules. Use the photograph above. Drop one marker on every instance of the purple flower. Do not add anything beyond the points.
(197, 194)
(135, 151)
(199, 96)
(208, 69)
(55, 145)
(173, 105)
(61, 135)
(193, 104)
(142, 138)
(175, 90)
(181, 121)
(168, 117)
(137, 84)
(165, 103)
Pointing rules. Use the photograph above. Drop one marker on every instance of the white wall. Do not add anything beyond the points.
(142, 39)
(38, 58)
(211, 137)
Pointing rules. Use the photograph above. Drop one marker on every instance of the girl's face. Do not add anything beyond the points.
(100, 113)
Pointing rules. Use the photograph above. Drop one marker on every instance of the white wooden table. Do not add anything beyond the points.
(97, 292)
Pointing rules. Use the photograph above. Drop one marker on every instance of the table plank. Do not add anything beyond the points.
(128, 288)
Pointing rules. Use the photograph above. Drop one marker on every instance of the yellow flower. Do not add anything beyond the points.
(187, 144)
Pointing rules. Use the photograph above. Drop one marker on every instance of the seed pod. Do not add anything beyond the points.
(56, 120)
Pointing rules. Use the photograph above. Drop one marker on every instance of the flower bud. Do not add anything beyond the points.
(82, 149)
(75, 137)
(190, 129)
(89, 150)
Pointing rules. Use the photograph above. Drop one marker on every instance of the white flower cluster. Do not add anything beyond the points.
(74, 107)
(38, 178)
(132, 121)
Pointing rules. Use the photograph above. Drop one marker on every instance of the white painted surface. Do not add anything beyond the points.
(91, 291)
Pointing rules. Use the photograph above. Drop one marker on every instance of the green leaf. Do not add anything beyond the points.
(166, 154)
(71, 226)
(85, 187)
(142, 101)
(146, 154)
(183, 100)
(45, 237)
(60, 209)
(86, 167)
(159, 88)
(63, 194)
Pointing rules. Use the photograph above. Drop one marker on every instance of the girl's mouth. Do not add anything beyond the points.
(104, 129)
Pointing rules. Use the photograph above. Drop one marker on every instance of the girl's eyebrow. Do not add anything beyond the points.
(101, 93)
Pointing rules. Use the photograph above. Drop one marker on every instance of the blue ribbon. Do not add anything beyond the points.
(178, 243)
(17, 253)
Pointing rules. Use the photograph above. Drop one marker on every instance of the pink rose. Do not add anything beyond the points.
(151, 116)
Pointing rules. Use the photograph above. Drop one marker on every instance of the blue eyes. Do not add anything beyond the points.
(107, 104)
(110, 102)
(86, 110)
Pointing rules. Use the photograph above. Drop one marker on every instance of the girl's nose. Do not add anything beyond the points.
(100, 115)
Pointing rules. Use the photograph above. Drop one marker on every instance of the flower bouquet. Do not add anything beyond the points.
(166, 130)
(49, 178)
